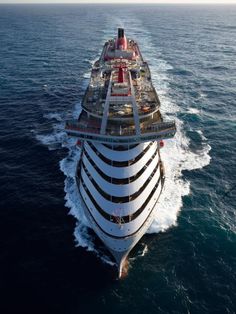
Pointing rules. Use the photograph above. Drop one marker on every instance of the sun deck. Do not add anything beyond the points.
(120, 104)
(137, 84)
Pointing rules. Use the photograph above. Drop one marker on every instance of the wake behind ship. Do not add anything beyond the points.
(120, 175)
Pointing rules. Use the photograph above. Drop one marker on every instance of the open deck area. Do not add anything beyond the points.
(120, 104)
(136, 84)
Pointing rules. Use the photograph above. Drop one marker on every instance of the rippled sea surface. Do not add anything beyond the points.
(50, 261)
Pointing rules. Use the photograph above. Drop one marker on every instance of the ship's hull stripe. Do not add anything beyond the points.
(117, 180)
(128, 235)
(114, 163)
(128, 153)
(119, 199)
(125, 208)
(121, 148)
(113, 218)
(124, 172)
(119, 189)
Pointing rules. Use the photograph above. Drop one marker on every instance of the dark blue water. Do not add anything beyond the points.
(49, 261)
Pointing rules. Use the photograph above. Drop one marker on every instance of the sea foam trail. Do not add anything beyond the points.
(176, 155)
(74, 202)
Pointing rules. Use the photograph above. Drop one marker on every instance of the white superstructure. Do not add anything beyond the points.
(120, 174)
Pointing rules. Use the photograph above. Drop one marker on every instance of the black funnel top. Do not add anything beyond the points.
(121, 32)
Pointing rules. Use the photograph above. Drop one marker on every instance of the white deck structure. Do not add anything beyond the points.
(120, 175)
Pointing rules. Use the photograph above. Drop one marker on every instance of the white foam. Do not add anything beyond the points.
(56, 135)
(85, 240)
(53, 115)
(52, 140)
(181, 158)
(74, 203)
(201, 134)
(77, 110)
(87, 75)
(177, 157)
(194, 111)
(176, 153)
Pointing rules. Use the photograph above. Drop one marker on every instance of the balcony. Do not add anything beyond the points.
(121, 135)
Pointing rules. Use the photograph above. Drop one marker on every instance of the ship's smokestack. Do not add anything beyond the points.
(121, 32)
(121, 41)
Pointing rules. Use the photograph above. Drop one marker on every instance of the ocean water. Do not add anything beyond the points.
(50, 261)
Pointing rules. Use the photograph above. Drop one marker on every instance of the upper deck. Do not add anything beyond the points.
(124, 80)
(120, 95)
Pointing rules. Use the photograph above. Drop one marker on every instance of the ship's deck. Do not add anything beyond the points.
(140, 79)
(120, 100)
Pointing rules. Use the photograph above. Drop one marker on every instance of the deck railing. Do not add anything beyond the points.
(120, 134)
(119, 130)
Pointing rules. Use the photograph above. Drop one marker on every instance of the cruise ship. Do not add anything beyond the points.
(120, 174)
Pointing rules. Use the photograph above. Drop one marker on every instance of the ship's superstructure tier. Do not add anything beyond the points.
(120, 104)
(120, 174)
